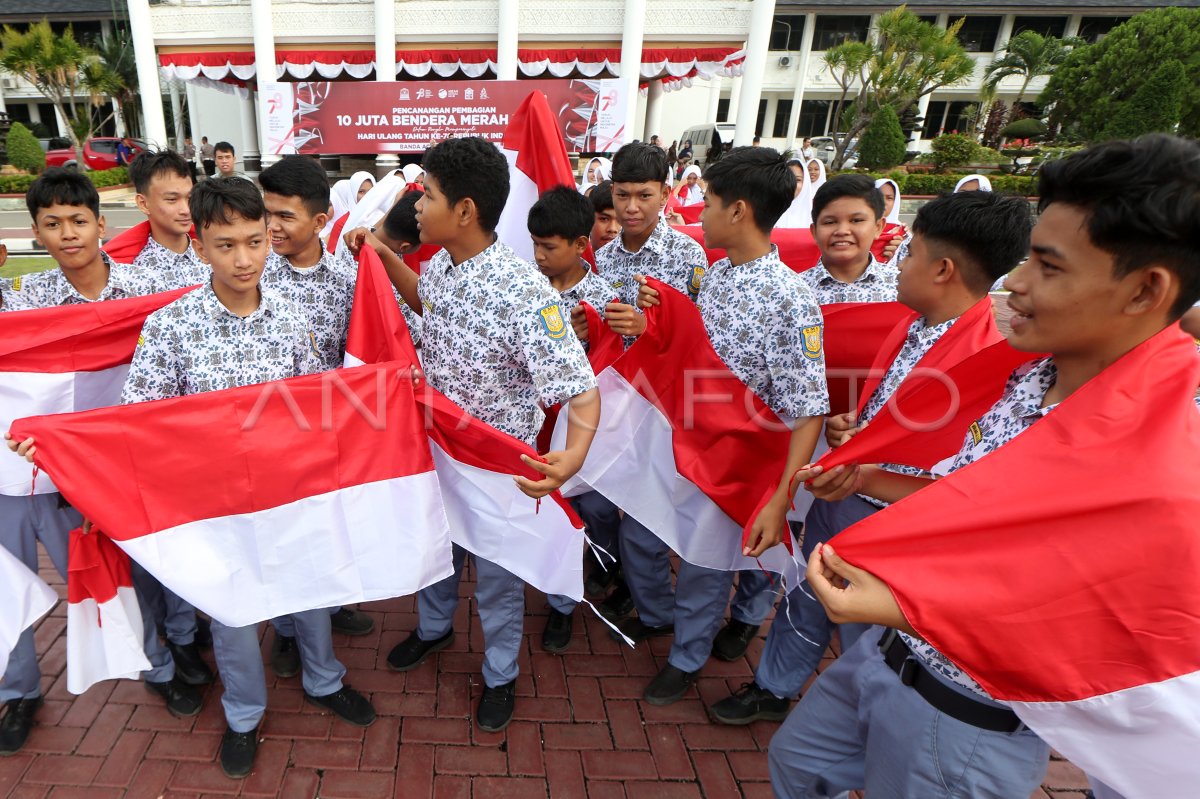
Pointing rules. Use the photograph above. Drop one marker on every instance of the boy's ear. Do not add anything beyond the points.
(581, 245)
(1156, 289)
(466, 211)
(142, 205)
(101, 225)
(879, 226)
(198, 244)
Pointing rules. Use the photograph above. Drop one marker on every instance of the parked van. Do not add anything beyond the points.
(706, 138)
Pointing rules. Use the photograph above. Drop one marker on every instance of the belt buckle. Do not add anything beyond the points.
(888, 637)
(908, 670)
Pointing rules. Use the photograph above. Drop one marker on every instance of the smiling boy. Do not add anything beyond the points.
(164, 183)
(847, 217)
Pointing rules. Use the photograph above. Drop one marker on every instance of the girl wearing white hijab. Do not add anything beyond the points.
(888, 187)
(597, 171)
(344, 195)
(689, 191)
(799, 213)
(413, 173)
(374, 205)
(816, 173)
(981, 184)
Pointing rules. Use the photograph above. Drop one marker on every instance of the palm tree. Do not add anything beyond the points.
(1030, 55)
(116, 51)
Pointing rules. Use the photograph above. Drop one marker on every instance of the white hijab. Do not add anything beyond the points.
(893, 215)
(799, 213)
(412, 172)
(984, 183)
(694, 195)
(374, 205)
(605, 173)
(820, 181)
(344, 195)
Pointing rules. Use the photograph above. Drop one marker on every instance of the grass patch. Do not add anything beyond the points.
(25, 264)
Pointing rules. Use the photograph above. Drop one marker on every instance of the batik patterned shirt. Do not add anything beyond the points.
(324, 293)
(496, 341)
(196, 344)
(51, 288)
(668, 255)
(766, 326)
(592, 289)
(876, 284)
(173, 270)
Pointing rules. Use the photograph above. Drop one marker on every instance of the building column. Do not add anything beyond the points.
(762, 13)
(385, 68)
(251, 158)
(631, 61)
(769, 117)
(714, 99)
(177, 112)
(922, 110)
(506, 40)
(1073, 23)
(735, 97)
(3, 105)
(654, 104)
(265, 72)
(118, 118)
(1006, 29)
(154, 122)
(806, 40)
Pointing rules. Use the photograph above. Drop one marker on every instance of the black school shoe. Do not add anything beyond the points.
(733, 640)
(189, 666)
(16, 724)
(618, 605)
(348, 705)
(351, 622)
(749, 704)
(496, 705)
(637, 631)
(285, 656)
(670, 685)
(412, 651)
(182, 699)
(237, 752)
(557, 635)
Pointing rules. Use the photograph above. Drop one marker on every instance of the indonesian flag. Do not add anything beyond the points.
(24, 598)
(1060, 570)
(265, 500)
(537, 161)
(797, 248)
(104, 623)
(540, 542)
(604, 347)
(855, 333)
(335, 233)
(64, 359)
(124, 247)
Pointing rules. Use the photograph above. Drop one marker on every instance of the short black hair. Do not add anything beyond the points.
(1142, 200)
(562, 211)
(601, 197)
(223, 147)
(638, 162)
(147, 165)
(218, 200)
(836, 188)
(757, 175)
(298, 176)
(987, 232)
(61, 186)
(400, 223)
(470, 167)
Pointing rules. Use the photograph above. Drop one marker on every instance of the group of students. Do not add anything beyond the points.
(1106, 269)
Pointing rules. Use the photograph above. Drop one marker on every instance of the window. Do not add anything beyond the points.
(931, 128)
(783, 112)
(19, 112)
(49, 118)
(978, 34)
(1047, 26)
(957, 120)
(1093, 29)
(722, 110)
(813, 117)
(762, 117)
(787, 32)
(930, 18)
(831, 31)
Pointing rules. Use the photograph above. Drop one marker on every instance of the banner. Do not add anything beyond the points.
(405, 117)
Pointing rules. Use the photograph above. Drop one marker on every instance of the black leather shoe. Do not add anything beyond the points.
(601, 576)
(412, 651)
(348, 705)
(203, 637)
(351, 622)
(496, 707)
(618, 605)
(733, 639)
(637, 631)
(182, 699)
(16, 724)
(557, 635)
(285, 656)
(670, 685)
(189, 666)
(749, 704)
(237, 753)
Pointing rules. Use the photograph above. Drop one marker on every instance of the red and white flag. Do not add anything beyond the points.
(24, 598)
(64, 359)
(537, 161)
(104, 623)
(256, 502)
(1060, 570)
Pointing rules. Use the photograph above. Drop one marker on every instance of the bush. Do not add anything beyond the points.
(110, 177)
(15, 184)
(1026, 128)
(24, 151)
(19, 184)
(883, 145)
(953, 149)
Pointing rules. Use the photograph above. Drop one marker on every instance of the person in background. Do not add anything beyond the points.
(207, 157)
(189, 155)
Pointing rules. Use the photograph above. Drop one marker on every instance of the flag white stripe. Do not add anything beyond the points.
(104, 641)
(372, 541)
(24, 598)
(513, 227)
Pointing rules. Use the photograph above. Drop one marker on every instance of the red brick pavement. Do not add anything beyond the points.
(580, 729)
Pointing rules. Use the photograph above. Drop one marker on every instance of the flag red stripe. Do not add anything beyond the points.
(854, 334)
(96, 567)
(534, 134)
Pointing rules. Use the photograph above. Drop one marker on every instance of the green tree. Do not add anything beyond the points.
(1154, 106)
(1028, 55)
(116, 52)
(24, 151)
(953, 149)
(883, 145)
(1095, 80)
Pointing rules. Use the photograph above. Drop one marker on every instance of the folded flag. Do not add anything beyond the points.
(24, 597)
(126, 246)
(104, 623)
(1060, 570)
(64, 359)
(854, 334)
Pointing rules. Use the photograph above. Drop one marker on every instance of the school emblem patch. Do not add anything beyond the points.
(552, 321)
(812, 342)
(16, 284)
(312, 340)
(976, 432)
(141, 340)
(428, 305)
(694, 280)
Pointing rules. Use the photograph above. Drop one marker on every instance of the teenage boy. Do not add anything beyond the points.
(560, 223)
(232, 332)
(224, 159)
(1107, 271)
(208, 155)
(605, 225)
(399, 231)
(494, 341)
(748, 190)
(300, 268)
(164, 184)
(847, 217)
(961, 243)
(65, 208)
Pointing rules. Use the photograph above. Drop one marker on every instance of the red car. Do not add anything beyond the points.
(99, 152)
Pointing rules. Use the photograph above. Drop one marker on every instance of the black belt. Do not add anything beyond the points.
(943, 698)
